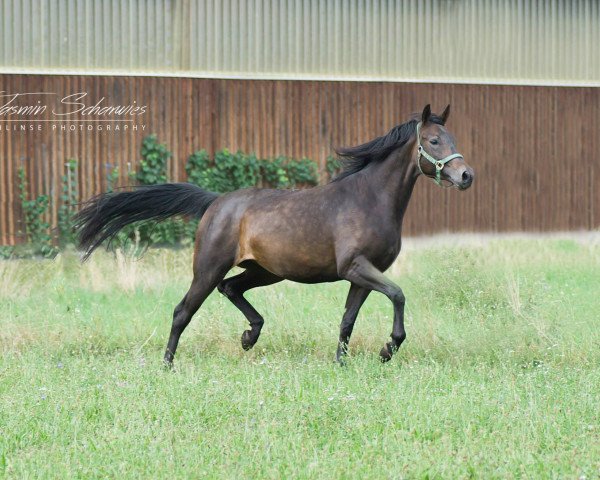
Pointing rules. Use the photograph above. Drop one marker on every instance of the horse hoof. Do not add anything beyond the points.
(247, 344)
(385, 355)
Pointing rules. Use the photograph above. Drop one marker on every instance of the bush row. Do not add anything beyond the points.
(225, 172)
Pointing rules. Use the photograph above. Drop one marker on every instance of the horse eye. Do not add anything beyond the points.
(433, 141)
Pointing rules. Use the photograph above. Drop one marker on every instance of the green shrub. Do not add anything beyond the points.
(232, 171)
(153, 166)
(69, 199)
(332, 166)
(37, 230)
(302, 172)
(228, 172)
(198, 169)
(274, 173)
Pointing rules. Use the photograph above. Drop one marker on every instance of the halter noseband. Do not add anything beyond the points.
(439, 164)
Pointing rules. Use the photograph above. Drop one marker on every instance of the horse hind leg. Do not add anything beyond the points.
(233, 288)
(202, 286)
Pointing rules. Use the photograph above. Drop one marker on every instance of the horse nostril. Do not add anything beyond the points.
(466, 177)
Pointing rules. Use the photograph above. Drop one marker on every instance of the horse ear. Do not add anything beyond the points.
(426, 114)
(445, 114)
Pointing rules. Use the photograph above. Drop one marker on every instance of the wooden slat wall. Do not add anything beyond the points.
(534, 149)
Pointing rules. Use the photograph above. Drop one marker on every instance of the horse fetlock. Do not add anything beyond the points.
(340, 358)
(398, 339)
(341, 353)
(168, 360)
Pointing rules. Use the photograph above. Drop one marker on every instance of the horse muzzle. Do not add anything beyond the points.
(461, 177)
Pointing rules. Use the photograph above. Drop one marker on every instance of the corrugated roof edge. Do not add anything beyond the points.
(306, 77)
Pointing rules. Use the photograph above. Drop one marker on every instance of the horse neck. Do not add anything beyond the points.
(395, 178)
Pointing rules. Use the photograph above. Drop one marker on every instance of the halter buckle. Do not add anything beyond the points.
(439, 165)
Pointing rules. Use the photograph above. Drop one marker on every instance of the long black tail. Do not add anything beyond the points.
(104, 215)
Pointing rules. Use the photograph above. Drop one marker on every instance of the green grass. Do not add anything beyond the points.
(499, 376)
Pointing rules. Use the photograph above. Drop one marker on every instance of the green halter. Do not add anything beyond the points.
(439, 164)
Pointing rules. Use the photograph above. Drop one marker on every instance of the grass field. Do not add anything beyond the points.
(499, 376)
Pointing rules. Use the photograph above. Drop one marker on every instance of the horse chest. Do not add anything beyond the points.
(384, 259)
(383, 249)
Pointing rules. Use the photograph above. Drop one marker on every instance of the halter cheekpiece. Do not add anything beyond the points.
(439, 164)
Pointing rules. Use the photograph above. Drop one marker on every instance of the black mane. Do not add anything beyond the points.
(354, 159)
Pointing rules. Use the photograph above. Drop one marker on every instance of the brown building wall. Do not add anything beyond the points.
(535, 150)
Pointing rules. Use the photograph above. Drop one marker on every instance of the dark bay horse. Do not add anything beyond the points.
(348, 229)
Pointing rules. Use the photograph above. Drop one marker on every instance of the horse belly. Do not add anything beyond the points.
(297, 255)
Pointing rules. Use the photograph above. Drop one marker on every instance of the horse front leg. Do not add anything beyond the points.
(356, 297)
(363, 273)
